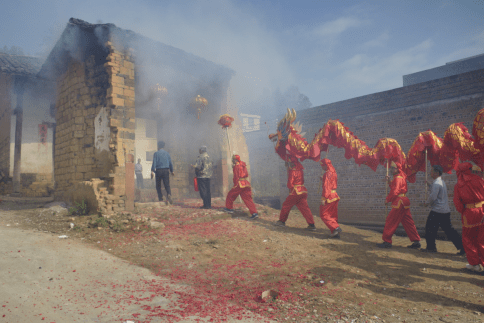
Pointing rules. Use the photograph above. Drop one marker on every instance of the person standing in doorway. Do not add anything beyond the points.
(161, 168)
(138, 171)
(439, 215)
(203, 171)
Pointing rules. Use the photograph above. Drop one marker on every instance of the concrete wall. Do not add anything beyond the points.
(400, 114)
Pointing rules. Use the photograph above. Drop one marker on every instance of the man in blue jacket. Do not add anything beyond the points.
(161, 168)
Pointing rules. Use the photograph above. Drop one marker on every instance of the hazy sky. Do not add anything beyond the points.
(331, 50)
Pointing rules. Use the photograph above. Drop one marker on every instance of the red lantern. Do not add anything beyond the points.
(225, 121)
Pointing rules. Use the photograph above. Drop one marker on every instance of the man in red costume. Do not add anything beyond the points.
(241, 187)
(469, 201)
(400, 210)
(298, 194)
(328, 210)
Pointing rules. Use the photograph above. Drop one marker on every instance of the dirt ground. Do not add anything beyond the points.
(233, 260)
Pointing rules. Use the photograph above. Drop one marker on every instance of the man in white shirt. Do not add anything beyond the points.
(439, 215)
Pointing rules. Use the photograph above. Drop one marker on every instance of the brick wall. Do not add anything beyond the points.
(400, 114)
(84, 92)
(5, 122)
(264, 169)
(81, 94)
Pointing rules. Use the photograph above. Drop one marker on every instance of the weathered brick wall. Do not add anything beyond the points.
(81, 94)
(400, 114)
(83, 91)
(121, 96)
(5, 121)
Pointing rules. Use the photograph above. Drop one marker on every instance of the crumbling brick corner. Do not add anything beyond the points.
(96, 123)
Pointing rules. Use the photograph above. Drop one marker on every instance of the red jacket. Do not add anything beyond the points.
(330, 184)
(398, 189)
(295, 174)
(241, 175)
(468, 194)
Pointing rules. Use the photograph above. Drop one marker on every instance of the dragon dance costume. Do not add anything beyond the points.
(329, 210)
(298, 195)
(400, 212)
(241, 187)
(469, 201)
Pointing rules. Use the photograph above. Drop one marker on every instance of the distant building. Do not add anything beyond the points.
(449, 69)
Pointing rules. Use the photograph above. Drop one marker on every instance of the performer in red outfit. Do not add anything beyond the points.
(241, 187)
(298, 194)
(469, 201)
(400, 210)
(328, 210)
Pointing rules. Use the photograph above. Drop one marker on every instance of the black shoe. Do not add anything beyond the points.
(254, 216)
(462, 252)
(335, 236)
(384, 245)
(336, 232)
(280, 224)
(228, 210)
(429, 250)
(169, 200)
(414, 245)
(311, 227)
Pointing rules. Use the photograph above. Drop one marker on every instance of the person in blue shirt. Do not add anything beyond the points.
(161, 168)
(439, 215)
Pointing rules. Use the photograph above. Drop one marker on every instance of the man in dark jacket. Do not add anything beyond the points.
(203, 171)
(161, 168)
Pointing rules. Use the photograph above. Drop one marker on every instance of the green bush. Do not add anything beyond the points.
(79, 209)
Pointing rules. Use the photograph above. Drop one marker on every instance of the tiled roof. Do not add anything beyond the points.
(20, 65)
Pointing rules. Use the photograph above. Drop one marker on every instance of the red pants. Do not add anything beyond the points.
(473, 236)
(329, 214)
(301, 201)
(246, 195)
(394, 218)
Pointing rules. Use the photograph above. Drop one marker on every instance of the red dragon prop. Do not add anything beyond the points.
(457, 144)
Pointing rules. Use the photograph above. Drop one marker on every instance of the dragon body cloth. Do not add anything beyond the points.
(457, 144)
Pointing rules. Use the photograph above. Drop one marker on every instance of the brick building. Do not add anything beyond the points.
(111, 85)
(401, 114)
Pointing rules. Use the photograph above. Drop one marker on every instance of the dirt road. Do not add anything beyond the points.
(229, 261)
(46, 278)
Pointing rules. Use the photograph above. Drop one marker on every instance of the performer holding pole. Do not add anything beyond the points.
(426, 179)
(298, 194)
(241, 187)
(328, 210)
(386, 189)
(400, 211)
(469, 201)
